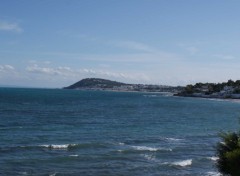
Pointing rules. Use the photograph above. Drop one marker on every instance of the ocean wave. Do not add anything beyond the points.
(133, 148)
(213, 158)
(182, 163)
(173, 139)
(59, 146)
(75, 146)
(73, 155)
(149, 157)
(151, 149)
(213, 174)
(90, 145)
(55, 146)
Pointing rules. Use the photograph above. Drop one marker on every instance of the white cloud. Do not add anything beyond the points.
(6, 68)
(7, 26)
(62, 71)
(67, 73)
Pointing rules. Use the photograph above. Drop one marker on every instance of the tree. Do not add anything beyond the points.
(230, 82)
(189, 89)
(228, 152)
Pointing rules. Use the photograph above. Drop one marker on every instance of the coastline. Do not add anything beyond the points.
(124, 91)
(237, 100)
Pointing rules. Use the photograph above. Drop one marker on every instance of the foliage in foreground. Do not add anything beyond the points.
(228, 152)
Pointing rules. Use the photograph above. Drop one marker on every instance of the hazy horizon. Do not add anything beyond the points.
(57, 43)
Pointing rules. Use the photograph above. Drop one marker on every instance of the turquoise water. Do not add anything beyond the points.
(68, 132)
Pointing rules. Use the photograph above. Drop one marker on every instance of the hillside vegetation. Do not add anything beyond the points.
(95, 83)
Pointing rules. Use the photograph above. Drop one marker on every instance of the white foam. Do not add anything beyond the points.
(223, 143)
(149, 157)
(63, 146)
(151, 149)
(121, 143)
(182, 163)
(73, 155)
(213, 158)
(173, 139)
(59, 146)
(213, 174)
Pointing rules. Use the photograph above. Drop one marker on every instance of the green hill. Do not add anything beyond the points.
(95, 83)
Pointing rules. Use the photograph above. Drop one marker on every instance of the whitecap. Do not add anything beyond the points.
(73, 155)
(213, 174)
(213, 158)
(58, 146)
(182, 163)
(121, 143)
(151, 149)
(173, 139)
(149, 157)
(63, 146)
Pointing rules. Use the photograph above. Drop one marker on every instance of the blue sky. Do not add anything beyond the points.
(54, 43)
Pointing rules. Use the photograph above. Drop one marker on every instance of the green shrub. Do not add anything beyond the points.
(228, 152)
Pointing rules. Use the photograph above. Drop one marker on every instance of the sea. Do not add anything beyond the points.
(56, 132)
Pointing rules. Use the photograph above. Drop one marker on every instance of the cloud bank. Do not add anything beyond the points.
(67, 75)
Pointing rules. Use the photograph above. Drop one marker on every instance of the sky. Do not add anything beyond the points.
(55, 43)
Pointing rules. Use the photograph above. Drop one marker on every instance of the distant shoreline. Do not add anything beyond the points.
(209, 98)
(125, 91)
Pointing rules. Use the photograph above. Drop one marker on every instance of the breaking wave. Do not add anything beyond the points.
(151, 149)
(213, 174)
(55, 146)
(213, 158)
(73, 155)
(182, 163)
(61, 146)
(173, 139)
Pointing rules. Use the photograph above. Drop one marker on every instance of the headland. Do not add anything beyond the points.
(108, 85)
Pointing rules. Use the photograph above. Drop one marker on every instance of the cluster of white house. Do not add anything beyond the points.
(146, 88)
(226, 92)
(132, 87)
